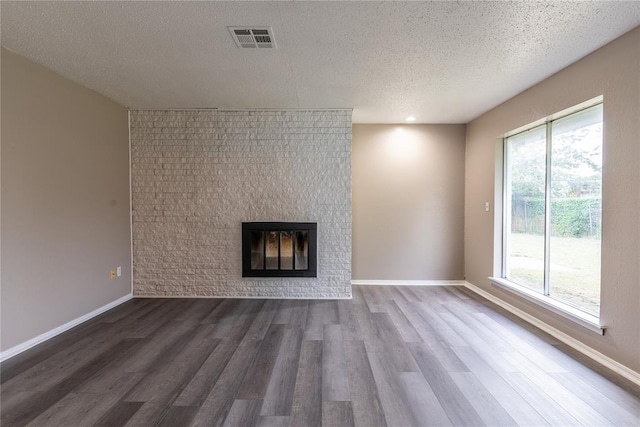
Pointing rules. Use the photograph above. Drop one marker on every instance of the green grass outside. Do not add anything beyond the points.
(575, 268)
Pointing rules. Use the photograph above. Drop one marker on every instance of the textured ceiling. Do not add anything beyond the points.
(444, 62)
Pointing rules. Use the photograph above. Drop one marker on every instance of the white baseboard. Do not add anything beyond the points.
(591, 353)
(238, 297)
(408, 282)
(13, 351)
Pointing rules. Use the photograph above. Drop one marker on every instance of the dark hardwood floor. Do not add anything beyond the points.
(397, 356)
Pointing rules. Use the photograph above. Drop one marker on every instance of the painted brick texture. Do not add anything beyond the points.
(196, 175)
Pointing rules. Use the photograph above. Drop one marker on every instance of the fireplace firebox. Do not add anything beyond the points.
(279, 249)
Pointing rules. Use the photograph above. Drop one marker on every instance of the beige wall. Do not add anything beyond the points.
(408, 202)
(65, 200)
(612, 71)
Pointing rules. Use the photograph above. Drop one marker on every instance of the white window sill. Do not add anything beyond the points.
(581, 318)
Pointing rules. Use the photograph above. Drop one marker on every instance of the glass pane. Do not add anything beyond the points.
(257, 248)
(286, 250)
(525, 199)
(272, 250)
(302, 250)
(576, 209)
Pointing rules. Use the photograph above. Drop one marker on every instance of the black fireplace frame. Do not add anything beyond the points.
(310, 227)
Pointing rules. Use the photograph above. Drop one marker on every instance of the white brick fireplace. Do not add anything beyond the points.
(196, 175)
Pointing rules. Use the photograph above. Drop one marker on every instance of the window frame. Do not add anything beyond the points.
(543, 299)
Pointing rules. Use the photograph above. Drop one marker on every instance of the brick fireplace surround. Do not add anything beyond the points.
(196, 175)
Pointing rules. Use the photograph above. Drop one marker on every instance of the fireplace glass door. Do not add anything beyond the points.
(279, 249)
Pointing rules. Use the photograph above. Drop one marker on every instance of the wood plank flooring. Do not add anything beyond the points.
(395, 356)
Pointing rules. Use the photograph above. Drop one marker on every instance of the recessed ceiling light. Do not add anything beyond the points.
(410, 119)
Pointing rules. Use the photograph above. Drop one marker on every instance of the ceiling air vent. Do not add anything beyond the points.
(253, 37)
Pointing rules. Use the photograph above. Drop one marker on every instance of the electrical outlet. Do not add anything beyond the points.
(119, 271)
(112, 273)
(486, 207)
